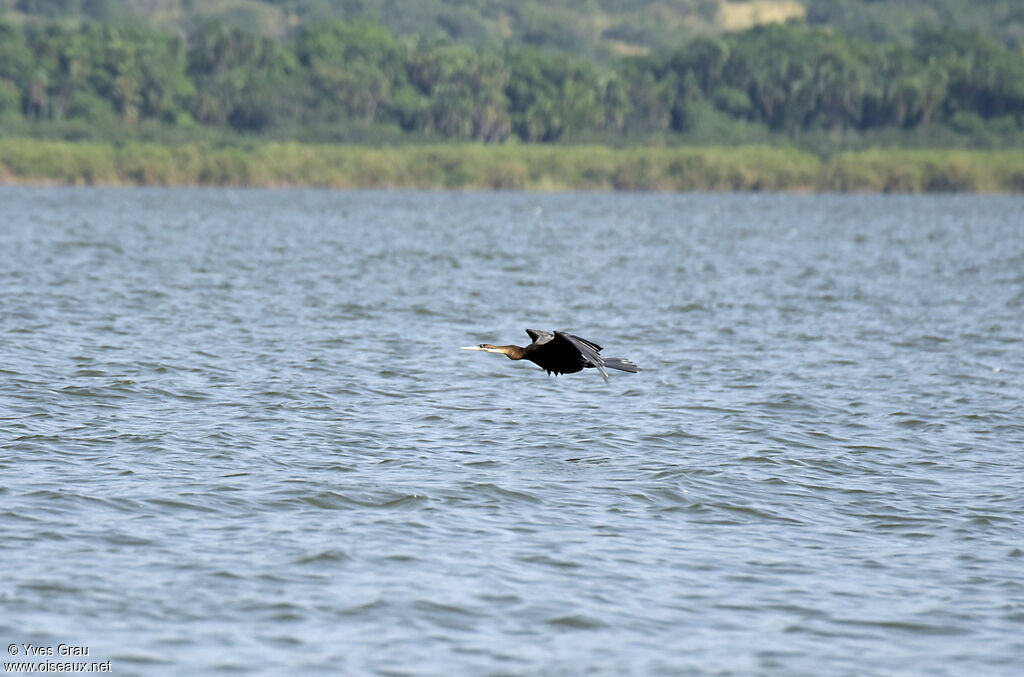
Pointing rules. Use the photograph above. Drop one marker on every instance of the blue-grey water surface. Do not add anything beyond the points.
(238, 434)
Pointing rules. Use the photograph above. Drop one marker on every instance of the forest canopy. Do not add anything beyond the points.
(358, 81)
(588, 28)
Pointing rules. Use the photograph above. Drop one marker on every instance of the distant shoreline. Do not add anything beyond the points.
(511, 166)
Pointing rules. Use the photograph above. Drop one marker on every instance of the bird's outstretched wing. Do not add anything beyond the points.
(596, 348)
(587, 349)
(539, 337)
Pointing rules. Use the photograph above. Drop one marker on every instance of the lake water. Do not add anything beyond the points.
(238, 434)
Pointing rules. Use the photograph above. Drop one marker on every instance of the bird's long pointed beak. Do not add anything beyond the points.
(485, 348)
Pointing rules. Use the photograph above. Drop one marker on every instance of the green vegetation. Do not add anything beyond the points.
(588, 28)
(353, 82)
(157, 90)
(510, 166)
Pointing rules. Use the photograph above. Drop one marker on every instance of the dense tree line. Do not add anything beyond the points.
(589, 28)
(357, 81)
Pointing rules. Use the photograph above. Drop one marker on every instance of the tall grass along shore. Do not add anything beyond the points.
(511, 166)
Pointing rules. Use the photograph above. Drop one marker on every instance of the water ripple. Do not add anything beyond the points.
(238, 434)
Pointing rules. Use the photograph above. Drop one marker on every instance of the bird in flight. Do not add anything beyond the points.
(560, 353)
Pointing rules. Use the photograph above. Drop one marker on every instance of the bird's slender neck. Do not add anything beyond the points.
(513, 352)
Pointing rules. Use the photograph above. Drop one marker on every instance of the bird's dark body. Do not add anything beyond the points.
(561, 353)
(556, 354)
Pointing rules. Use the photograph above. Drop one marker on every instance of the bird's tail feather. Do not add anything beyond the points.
(620, 364)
